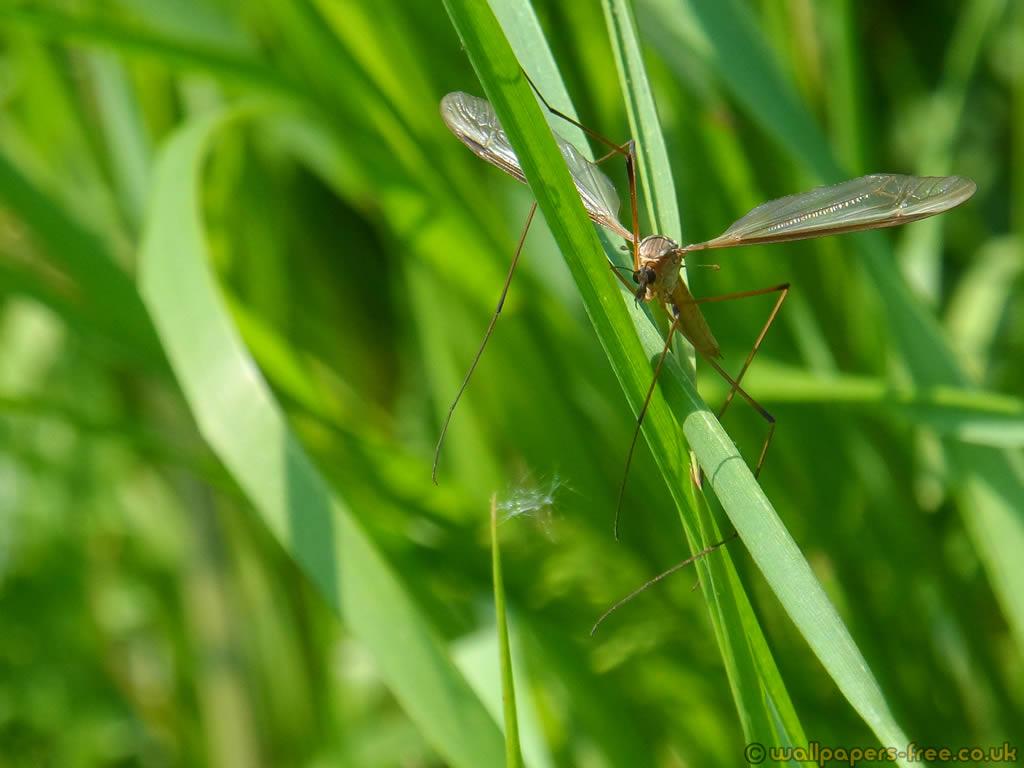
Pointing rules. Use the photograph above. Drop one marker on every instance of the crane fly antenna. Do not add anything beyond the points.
(651, 582)
(487, 336)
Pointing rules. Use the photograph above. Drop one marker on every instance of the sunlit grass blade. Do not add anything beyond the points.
(513, 755)
(245, 427)
(656, 182)
(749, 510)
(752, 669)
(976, 309)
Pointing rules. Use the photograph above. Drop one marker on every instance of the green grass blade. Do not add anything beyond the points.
(513, 755)
(918, 252)
(656, 183)
(106, 293)
(748, 659)
(774, 551)
(969, 415)
(126, 140)
(977, 306)
(245, 427)
(725, 38)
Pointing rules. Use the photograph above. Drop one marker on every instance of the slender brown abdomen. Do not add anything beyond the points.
(692, 323)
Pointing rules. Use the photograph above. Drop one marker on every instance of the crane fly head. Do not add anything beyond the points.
(660, 258)
(644, 277)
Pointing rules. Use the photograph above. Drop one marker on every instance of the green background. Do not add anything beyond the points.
(219, 542)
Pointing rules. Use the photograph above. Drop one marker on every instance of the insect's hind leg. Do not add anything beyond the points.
(664, 574)
(483, 343)
(627, 150)
(616, 149)
(734, 385)
(761, 410)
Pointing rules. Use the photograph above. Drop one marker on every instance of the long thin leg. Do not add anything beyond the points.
(627, 150)
(783, 291)
(651, 582)
(753, 404)
(614, 146)
(487, 336)
(734, 385)
(639, 422)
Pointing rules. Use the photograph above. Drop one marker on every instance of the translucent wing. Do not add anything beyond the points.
(870, 202)
(473, 121)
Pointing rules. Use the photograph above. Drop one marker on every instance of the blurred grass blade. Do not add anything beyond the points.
(513, 755)
(721, 33)
(763, 533)
(104, 291)
(187, 55)
(125, 136)
(976, 308)
(245, 427)
(918, 252)
(969, 415)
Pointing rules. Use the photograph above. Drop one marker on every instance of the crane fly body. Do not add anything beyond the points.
(660, 258)
(868, 202)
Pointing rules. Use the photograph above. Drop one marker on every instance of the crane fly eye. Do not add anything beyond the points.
(636, 276)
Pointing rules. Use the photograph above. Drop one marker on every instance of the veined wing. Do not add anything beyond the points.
(476, 125)
(869, 202)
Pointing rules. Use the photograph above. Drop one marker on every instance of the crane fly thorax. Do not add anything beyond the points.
(658, 273)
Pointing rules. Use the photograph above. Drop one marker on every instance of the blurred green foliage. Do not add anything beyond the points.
(147, 617)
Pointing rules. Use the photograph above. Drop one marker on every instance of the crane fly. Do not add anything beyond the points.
(869, 202)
